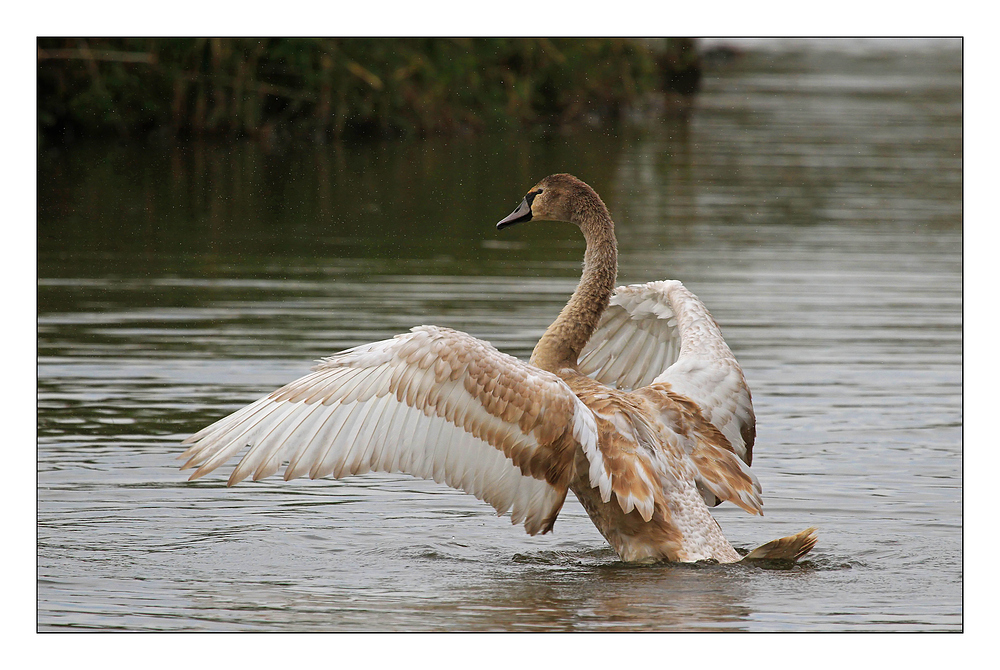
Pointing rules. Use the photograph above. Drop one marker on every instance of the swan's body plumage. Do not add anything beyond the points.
(631, 400)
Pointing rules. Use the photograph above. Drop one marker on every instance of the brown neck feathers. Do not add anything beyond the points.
(563, 341)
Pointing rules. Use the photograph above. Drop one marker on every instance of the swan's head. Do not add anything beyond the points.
(558, 197)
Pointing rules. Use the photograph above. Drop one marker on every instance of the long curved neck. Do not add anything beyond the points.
(561, 344)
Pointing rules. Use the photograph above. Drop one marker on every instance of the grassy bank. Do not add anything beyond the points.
(342, 87)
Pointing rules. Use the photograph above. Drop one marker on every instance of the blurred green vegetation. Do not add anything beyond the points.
(328, 88)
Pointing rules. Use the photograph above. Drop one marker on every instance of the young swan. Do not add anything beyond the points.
(673, 413)
(631, 399)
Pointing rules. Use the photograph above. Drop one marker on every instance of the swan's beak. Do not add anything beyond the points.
(522, 213)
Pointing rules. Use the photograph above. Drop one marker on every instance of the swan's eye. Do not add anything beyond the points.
(531, 196)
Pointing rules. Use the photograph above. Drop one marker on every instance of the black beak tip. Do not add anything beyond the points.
(522, 213)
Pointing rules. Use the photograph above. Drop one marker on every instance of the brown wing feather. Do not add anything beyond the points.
(435, 403)
(720, 472)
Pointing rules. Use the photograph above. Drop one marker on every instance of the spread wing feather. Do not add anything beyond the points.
(636, 339)
(660, 336)
(434, 403)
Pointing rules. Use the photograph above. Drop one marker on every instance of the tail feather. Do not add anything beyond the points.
(792, 547)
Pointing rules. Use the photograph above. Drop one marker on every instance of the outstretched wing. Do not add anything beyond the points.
(636, 340)
(435, 403)
(659, 335)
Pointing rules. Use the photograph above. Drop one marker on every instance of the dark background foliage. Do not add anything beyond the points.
(328, 88)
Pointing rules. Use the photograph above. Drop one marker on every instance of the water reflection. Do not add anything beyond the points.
(220, 206)
(814, 204)
(578, 593)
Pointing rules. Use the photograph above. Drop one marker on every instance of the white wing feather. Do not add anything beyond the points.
(636, 339)
(661, 333)
(434, 403)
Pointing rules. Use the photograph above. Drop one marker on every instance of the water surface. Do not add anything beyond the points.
(812, 200)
